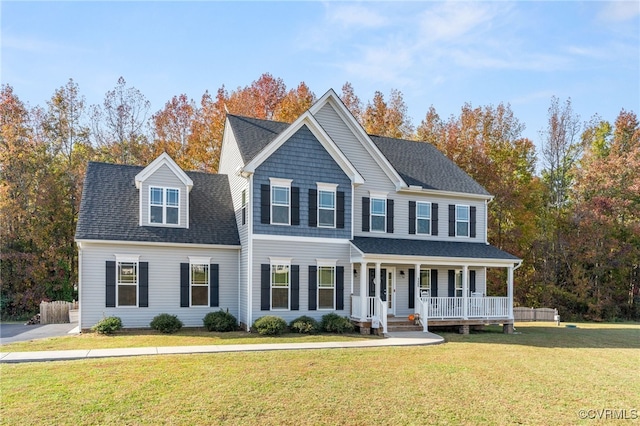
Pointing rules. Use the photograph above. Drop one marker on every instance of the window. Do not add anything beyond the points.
(458, 292)
(200, 284)
(127, 283)
(280, 286)
(326, 287)
(423, 218)
(425, 283)
(280, 201)
(378, 214)
(327, 205)
(164, 205)
(462, 221)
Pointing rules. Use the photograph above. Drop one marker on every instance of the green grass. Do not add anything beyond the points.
(544, 375)
(128, 338)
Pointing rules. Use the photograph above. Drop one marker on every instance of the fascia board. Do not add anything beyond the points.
(445, 193)
(84, 242)
(163, 159)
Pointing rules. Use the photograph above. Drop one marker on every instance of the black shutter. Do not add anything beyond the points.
(265, 204)
(295, 287)
(184, 285)
(472, 280)
(339, 288)
(313, 208)
(110, 279)
(244, 215)
(390, 216)
(452, 220)
(452, 283)
(295, 205)
(365, 214)
(434, 219)
(313, 288)
(340, 209)
(412, 287)
(214, 280)
(143, 285)
(434, 283)
(472, 222)
(265, 287)
(412, 220)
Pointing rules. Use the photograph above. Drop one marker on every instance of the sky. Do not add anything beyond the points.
(440, 54)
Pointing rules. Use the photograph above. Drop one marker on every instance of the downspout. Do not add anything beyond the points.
(250, 254)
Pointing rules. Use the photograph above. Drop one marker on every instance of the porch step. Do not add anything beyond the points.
(395, 326)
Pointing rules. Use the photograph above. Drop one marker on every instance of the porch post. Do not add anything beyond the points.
(364, 294)
(465, 291)
(510, 291)
(416, 285)
(377, 280)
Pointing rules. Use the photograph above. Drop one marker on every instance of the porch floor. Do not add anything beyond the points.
(402, 324)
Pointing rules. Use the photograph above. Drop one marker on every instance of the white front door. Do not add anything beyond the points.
(391, 291)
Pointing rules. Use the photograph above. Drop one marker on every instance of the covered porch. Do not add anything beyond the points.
(398, 280)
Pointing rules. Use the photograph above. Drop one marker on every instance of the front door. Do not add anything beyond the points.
(372, 284)
(391, 291)
(387, 287)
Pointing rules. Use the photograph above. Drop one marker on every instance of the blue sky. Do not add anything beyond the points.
(435, 53)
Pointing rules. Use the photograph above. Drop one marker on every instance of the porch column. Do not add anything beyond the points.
(510, 291)
(465, 291)
(364, 294)
(416, 285)
(377, 280)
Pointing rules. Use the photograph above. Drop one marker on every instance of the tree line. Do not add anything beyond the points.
(576, 224)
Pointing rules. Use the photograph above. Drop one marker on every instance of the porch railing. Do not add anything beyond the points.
(453, 307)
(375, 308)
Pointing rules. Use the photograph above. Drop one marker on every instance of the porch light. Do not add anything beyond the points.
(355, 272)
(402, 273)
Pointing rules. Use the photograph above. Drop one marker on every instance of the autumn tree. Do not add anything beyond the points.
(351, 101)
(387, 119)
(119, 124)
(294, 104)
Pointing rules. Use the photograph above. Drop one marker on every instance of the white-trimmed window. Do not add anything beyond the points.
(424, 289)
(164, 205)
(378, 214)
(327, 205)
(462, 221)
(127, 280)
(327, 283)
(199, 280)
(280, 284)
(423, 218)
(458, 288)
(280, 201)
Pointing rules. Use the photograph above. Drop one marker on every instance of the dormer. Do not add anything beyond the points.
(164, 194)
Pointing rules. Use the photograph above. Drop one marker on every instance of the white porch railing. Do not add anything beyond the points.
(453, 307)
(423, 312)
(375, 308)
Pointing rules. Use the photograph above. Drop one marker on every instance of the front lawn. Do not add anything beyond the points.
(545, 375)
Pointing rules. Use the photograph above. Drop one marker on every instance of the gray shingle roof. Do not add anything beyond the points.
(420, 163)
(253, 134)
(110, 206)
(448, 249)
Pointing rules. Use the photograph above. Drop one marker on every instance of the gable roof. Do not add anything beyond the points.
(422, 164)
(110, 207)
(163, 160)
(253, 135)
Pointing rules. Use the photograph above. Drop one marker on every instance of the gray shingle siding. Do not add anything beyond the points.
(303, 159)
(110, 208)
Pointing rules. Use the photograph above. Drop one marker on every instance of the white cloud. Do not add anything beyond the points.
(618, 11)
(354, 17)
(453, 21)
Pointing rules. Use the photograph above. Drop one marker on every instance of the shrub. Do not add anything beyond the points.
(334, 323)
(220, 321)
(270, 325)
(108, 325)
(304, 325)
(166, 323)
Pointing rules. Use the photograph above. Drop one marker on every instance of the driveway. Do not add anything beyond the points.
(13, 332)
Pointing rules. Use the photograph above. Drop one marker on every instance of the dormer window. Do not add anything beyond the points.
(164, 205)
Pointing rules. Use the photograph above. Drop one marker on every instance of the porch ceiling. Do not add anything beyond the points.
(443, 252)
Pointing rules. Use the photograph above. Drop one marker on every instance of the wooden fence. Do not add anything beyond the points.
(56, 312)
(537, 314)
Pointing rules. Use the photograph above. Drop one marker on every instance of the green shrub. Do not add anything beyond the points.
(220, 321)
(270, 325)
(304, 325)
(108, 325)
(166, 323)
(334, 323)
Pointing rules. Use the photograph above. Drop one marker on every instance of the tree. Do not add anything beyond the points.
(390, 119)
(351, 101)
(294, 104)
(118, 125)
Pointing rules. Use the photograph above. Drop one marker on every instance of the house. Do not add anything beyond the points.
(305, 218)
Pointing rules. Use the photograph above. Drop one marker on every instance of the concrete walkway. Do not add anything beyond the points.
(393, 339)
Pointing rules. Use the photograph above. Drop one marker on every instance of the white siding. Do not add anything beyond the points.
(164, 283)
(163, 177)
(302, 254)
